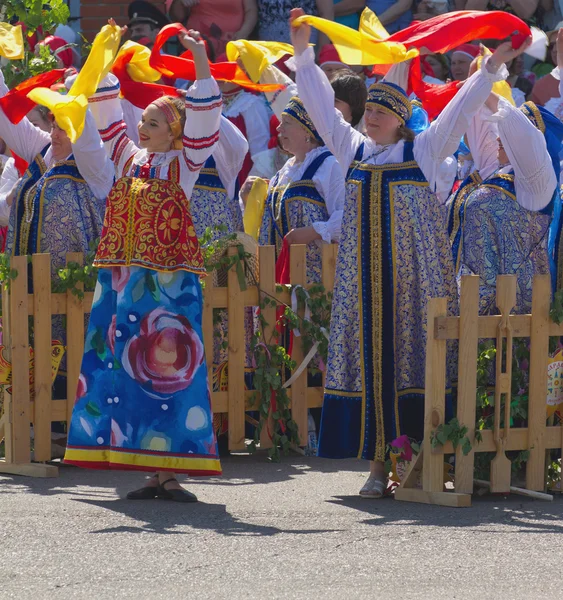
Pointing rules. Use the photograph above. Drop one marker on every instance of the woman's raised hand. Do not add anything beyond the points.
(301, 34)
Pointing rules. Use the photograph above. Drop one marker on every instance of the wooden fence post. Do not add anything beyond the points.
(267, 278)
(434, 398)
(42, 355)
(237, 347)
(74, 338)
(19, 350)
(298, 275)
(467, 378)
(539, 353)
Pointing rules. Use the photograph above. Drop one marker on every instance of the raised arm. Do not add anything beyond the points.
(317, 96)
(442, 138)
(229, 154)
(278, 100)
(107, 112)
(92, 160)
(526, 148)
(24, 139)
(203, 112)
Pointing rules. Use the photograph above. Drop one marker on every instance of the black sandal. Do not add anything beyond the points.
(175, 495)
(144, 493)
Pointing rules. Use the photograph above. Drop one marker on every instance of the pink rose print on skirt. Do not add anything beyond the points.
(82, 388)
(119, 278)
(110, 340)
(167, 352)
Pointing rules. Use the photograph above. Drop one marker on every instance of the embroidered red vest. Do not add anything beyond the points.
(147, 223)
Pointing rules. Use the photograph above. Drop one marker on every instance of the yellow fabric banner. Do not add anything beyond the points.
(70, 110)
(256, 56)
(254, 209)
(11, 41)
(363, 47)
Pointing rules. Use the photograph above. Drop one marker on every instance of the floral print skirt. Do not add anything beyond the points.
(143, 400)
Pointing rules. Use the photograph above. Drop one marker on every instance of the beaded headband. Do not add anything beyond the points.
(296, 111)
(173, 118)
(392, 99)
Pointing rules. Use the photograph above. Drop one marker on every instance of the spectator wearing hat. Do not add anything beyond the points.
(145, 21)
(220, 21)
(462, 57)
(329, 60)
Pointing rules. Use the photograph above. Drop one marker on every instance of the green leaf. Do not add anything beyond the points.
(93, 409)
(138, 291)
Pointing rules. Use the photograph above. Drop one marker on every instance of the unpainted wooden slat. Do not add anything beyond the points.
(20, 409)
(267, 277)
(42, 355)
(539, 358)
(74, 338)
(298, 275)
(434, 399)
(236, 360)
(467, 378)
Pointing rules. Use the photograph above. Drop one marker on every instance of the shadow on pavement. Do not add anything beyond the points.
(521, 515)
(161, 516)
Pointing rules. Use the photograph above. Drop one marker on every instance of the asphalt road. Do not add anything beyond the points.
(292, 530)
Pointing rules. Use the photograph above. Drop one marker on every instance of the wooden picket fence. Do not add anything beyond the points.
(469, 328)
(18, 305)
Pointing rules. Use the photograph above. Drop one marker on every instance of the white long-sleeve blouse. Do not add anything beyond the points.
(433, 149)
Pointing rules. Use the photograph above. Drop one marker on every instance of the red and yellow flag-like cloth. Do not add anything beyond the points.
(256, 56)
(11, 41)
(16, 103)
(183, 67)
(70, 110)
(137, 79)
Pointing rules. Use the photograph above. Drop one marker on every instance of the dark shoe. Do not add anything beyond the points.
(144, 493)
(175, 495)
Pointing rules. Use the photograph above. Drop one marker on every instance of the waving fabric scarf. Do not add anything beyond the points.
(256, 56)
(16, 104)
(136, 76)
(183, 67)
(11, 41)
(371, 45)
(70, 110)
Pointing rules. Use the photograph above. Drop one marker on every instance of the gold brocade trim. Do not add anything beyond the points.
(136, 186)
(535, 117)
(461, 197)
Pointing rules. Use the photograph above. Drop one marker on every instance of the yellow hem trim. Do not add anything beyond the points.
(115, 457)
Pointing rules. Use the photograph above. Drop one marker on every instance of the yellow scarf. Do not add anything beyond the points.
(70, 110)
(11, 41)
(254, 210)
(365, 46)
(256, 56)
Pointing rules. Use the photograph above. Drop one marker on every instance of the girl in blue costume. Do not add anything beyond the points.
(504, 219)
(306, 197)
(143, 399)
(394, 255)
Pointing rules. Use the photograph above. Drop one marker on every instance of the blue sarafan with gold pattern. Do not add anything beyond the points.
(298, 204)
(394, 256)
(55, 211)
(492, 235)
(210, 205)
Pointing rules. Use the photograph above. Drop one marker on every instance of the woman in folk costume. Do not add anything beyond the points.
(393, 256)
(306, 197)
(250, 114)
(501, 220)
(59, 201)
(143, 399)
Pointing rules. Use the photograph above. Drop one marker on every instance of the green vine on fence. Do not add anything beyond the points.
(453, 432)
